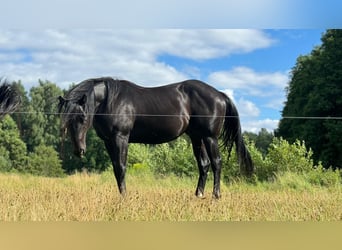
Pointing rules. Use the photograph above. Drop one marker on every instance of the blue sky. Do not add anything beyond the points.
(251, 66)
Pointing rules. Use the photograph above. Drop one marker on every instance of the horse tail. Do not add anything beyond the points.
(9, 99)
(231, 134)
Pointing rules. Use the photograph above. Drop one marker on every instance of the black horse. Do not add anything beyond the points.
(122, 112)
(9, 99)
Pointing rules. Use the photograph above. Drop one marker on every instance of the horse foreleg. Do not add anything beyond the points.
(117, 149)
(203, 164)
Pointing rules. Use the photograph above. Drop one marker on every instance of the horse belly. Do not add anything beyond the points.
(159, 131)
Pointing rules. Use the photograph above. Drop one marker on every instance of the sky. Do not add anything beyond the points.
(251, 65)
(243, 48)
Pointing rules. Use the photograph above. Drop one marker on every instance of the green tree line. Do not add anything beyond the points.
(313, 109)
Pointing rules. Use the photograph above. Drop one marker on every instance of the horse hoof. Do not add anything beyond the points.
(200, 195)
(216, 196)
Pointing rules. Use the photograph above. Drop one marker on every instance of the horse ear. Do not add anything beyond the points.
(62, 100)
(82, 101)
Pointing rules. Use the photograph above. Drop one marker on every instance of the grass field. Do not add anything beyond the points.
(84, 197)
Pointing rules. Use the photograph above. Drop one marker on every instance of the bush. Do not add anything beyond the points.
(231, 168)
(285, 157)
(45, 161)
(175, 157)
(324, 177)
(285, 165)
(305, 181)
(139, 154)
(291, 180)
(5, 161)
(291, 165)
(139, 158)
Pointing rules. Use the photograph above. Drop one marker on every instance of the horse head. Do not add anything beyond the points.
(9, 99)
(76, 119)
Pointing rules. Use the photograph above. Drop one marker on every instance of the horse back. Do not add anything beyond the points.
(160, 114)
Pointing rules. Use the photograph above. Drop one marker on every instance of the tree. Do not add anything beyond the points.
(45, 161)
(315, 91)
(262, 140)
(43, 121)
(21, 113)
(12, 148)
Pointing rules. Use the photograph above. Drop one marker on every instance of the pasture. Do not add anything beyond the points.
(94, 197)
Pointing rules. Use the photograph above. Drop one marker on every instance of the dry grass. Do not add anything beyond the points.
(85, 197)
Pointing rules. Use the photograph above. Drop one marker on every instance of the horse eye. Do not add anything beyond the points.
(81, 118)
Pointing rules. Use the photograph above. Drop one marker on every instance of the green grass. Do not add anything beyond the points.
(94, 197)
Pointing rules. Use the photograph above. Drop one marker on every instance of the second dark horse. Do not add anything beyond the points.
(9, 99)
(123, 112)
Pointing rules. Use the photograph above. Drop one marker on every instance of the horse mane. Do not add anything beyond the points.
(83, 88)
(9, 99)
(86, 88)
(112, 86)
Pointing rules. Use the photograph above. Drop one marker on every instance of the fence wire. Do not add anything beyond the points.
(179, 115)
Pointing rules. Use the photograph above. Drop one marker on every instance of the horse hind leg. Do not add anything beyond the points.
(211, 144)
(203, 164)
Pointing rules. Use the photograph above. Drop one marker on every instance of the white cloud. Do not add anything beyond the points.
(229, 93)
(247, 108)
(65, 56)
(252, 92)
(248, 112)
(256, 125)
(208, 44)
(267, 89)
(249, 115)
(250, 81)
